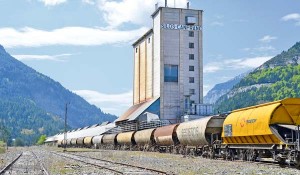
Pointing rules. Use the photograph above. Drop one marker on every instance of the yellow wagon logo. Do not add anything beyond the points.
(244, 121)
(251, 120)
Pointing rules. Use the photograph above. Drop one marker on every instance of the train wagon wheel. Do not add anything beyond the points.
(242, 155)
(297, 161)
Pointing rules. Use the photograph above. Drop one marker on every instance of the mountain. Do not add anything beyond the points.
(222, 88)
(38, 101)
(276, 79)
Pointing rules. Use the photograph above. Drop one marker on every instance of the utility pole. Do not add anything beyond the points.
(65, 134)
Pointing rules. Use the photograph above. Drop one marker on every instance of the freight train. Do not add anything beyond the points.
(266, 131)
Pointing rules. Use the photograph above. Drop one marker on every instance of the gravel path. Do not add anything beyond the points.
(171, 163)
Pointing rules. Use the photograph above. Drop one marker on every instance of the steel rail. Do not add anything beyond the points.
(10, 164)
(41, 164)
(124, 164)
(93, 164)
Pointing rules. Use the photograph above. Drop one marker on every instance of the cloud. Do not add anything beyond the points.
(259, 49)
(251, 62)
(264, 48)
(76, 36)
(53, 2)
(112, 103)
(91, 2)
(267, 38)
(210, 68)
(131, 11)
(234, 64)
(60, 57)
(292, 17)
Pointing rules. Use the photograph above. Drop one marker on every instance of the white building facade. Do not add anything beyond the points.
(168, 65)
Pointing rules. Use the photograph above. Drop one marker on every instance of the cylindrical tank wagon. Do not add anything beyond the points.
(109, 141)
(144, 139)
(60, 143)
(194, 136)
(97, 141)
(79, 142)
(125, 140)
(87, 142)
(73, 142)
(166, 138)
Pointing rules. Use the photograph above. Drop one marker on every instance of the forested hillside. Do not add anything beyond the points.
(276, 79)
(32, 103)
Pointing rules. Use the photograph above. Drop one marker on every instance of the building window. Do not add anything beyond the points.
(191, 33)
(149, 40)
(190, 20)
(192, 91)
(191, 45)
(191, 68)
(171, 73)
(191, 80)
(192, 102)
(136, 49)
(191, 56)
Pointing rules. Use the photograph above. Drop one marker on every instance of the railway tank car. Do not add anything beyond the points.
(144, 139)
(268, 130)
(165, 138)
(97, 141)
(125, 140)
(196, 136)
(88, 142)
(109, 141)
(79, 142)
(73, 142)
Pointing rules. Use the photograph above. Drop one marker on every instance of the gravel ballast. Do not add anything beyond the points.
(171, 163)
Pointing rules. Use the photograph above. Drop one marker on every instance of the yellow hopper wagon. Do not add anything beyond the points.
(266, 131)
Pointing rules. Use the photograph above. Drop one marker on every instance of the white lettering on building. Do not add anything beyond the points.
(180, 27)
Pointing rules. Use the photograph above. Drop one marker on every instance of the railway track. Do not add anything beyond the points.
(25, 163)
(114, 167)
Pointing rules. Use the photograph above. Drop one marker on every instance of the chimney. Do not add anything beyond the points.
(188, 5)
(156, 6)
(166, 3)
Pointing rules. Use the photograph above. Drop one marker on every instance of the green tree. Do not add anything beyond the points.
(4, 133)
(41, 140)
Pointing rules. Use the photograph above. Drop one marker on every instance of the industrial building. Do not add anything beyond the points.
(168, 67)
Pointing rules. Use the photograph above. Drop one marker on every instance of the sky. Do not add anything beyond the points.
(86, 44)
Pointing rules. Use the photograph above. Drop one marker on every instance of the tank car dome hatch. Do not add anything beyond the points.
(259, 124)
